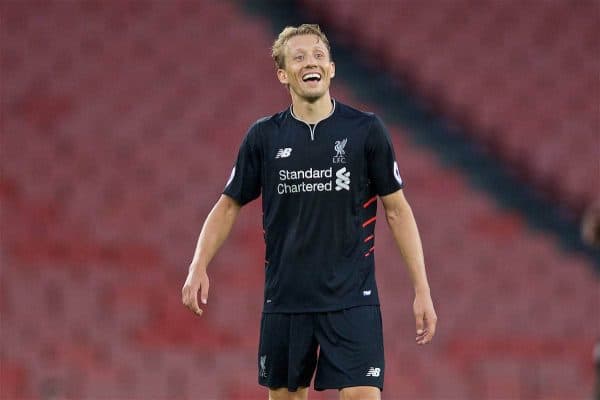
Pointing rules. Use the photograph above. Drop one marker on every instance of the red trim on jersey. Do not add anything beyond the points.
(367, 222)
(369, 238)
(371, 250)
(371, 200)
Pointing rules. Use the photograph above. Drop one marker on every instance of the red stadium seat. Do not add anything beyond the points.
(478, 60)
(122, 123)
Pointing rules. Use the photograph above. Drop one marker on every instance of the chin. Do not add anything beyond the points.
(313, 96)
(309, 95)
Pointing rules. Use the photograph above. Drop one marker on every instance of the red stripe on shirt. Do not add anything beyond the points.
(367, 222)
(371, 200)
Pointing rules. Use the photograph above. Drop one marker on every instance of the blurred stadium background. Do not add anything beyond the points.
(120, 123)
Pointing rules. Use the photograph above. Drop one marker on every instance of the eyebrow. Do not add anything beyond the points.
(301, 49)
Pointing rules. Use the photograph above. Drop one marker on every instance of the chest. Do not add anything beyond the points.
(303, 147)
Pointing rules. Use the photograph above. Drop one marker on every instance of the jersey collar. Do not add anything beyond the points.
(304, 122)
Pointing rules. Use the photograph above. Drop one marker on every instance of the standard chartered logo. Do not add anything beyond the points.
(342, 179)
(312, 180)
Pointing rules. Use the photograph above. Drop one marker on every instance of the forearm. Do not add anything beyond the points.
(215, 230)
(404, 230)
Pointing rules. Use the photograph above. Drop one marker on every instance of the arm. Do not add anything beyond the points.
(216, 228)
(590, 224)
(404, 229)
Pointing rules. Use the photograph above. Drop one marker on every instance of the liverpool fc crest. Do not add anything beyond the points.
(340, 156)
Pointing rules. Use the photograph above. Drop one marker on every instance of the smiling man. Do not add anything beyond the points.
(320, 166)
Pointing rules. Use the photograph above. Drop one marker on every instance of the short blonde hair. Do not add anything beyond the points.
(278, 49)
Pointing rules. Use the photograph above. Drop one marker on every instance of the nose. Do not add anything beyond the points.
(310, 61)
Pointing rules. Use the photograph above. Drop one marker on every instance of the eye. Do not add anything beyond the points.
(319, 55)
(299, 57)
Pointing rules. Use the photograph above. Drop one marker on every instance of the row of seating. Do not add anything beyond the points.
(114, 151)
(521, 78)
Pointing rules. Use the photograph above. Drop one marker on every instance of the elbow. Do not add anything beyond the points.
(397, 214)
(393, 215)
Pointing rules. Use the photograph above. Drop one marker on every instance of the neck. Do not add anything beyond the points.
(312, 112)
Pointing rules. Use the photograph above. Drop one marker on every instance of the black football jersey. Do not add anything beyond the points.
(319, 187)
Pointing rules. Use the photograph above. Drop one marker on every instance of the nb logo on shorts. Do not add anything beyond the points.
(342, 180)
(284, 153)
(374, 372)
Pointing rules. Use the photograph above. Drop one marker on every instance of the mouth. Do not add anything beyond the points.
(311, 77)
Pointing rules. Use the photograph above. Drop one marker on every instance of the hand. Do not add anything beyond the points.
(425, 317)
(196, 280)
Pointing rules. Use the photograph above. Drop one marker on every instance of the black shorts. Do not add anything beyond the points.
(349, 344)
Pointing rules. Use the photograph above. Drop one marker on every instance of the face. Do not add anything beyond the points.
(308, 67)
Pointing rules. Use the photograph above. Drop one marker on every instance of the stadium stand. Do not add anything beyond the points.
(120, 124)
(523, 76)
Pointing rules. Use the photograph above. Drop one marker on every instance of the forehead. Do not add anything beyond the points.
(305, 42)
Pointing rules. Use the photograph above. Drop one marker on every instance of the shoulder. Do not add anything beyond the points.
(269, 122)
(362, 123)
(347, 111)
(263, 128)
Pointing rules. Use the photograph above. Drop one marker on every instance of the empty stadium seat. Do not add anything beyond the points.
(122, 124)
(498, 67)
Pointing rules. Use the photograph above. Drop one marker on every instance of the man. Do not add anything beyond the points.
(320, 165)
(590, 233)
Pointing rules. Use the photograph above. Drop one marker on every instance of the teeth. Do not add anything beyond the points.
(311, 75)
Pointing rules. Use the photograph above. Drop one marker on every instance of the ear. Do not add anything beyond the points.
(332, 69)
(282, 76)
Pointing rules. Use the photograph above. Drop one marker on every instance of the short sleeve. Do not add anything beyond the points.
(244, 183)
(382, 166)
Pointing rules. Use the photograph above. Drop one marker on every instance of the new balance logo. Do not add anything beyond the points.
(284, 153)
(366, 293)
(342, 180)
(374, 372)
